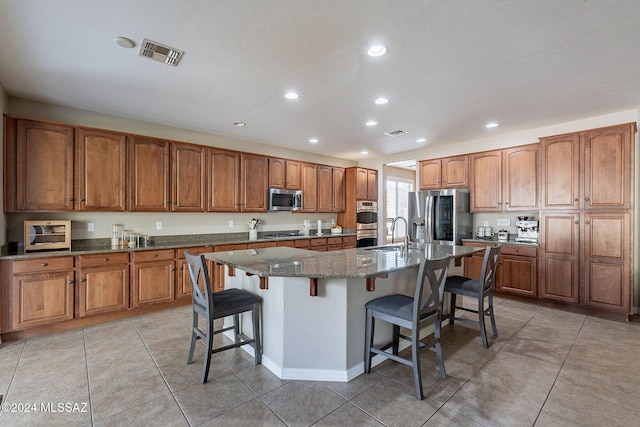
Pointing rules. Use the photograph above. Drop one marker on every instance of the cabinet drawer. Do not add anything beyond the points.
(197, 250)
(302, 243)
(146, 256)
(230, 247)
(42, 265)
(331, 241)
(521, 250)
(318, 242)
(349, 240)
(98, 260)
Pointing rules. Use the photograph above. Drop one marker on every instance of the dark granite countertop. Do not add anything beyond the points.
(93, 246)
(494, 240)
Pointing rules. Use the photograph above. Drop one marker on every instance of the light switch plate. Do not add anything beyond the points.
(503, 222)
(230, 223)
(91, 226)
(158, 225)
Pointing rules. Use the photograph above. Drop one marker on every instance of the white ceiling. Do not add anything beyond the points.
(452, 66)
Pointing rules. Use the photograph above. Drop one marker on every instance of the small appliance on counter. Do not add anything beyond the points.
(503, 235)
(45, 235)
(527, 230)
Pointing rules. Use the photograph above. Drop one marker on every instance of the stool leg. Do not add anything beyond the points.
(194, 338)
(257, 348)
(207, 354)
(236, 327)
(436, 334)
(368, 337)
(452, 309)
(415, 355)
(396, 339)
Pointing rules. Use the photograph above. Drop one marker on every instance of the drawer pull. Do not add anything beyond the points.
(105, 259)
(155, 255)
(45, 264)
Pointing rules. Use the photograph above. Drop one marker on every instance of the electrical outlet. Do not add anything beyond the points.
(158, 225)
(503, 222)
(230, 223)
(91, 226)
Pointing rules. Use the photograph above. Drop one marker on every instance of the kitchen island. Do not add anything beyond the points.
(313, 315)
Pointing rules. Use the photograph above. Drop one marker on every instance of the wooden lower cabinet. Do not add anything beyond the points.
(103, 283)
(153, 275)
(560, 256)
(218, 269)
(518, 265)
(516, 271)
(41, 292)
(349, 242)
(183, 280)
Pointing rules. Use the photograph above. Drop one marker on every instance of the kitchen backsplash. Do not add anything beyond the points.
(492, 218)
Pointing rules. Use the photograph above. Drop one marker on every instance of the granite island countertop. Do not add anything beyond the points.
(346, 263)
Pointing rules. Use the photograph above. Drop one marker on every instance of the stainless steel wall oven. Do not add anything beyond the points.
(366, 223)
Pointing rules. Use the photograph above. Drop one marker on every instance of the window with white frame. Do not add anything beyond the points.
(397, 205)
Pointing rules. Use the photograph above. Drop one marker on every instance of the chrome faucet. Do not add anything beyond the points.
(405, 245)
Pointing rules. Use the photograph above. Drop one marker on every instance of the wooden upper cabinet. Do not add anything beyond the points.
(188, 177)
(101, 159)
(449, 172)
(520, 178)
(331, 189)
(309, 187)
(430, 172)
(608, 157)
(223, 180)
(486, 181)
(43, 176)
(366, 184)
(285, 174)
(560, 172)
(254, 182)
(455, 172)
(339, 189)
(149, 175)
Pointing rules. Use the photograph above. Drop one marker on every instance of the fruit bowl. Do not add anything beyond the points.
(336, 231)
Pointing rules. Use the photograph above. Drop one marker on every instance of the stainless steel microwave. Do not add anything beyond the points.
(285, 200)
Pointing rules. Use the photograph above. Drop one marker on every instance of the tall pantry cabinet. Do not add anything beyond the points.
(586, 218)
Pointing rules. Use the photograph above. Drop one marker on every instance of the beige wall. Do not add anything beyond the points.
(172, 223)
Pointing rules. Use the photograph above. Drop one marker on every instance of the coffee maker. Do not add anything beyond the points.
(527, 230)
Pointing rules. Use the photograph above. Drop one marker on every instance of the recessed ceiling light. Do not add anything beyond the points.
(377, 50)
(239, 124)
(292, 95)
(420, 140)
(371, 123)
(492, 125)
(313, 140)
(381, 101)
(124, 42)
(364, 152)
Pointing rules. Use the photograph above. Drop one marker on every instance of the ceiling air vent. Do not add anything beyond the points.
(159, 52)
(396, 132)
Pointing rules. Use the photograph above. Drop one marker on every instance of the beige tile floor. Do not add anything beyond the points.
(547, 368)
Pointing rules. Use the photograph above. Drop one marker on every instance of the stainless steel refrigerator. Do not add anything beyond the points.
(440, 216)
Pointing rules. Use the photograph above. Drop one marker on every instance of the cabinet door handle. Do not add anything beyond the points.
(586, 199)
(587, 222)
(576, 222)
(517, 250)
(45, 264)
(70, 199)
(83, 280)
(69, 282)
(506, 203)
(82, 200)
(576, 200)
